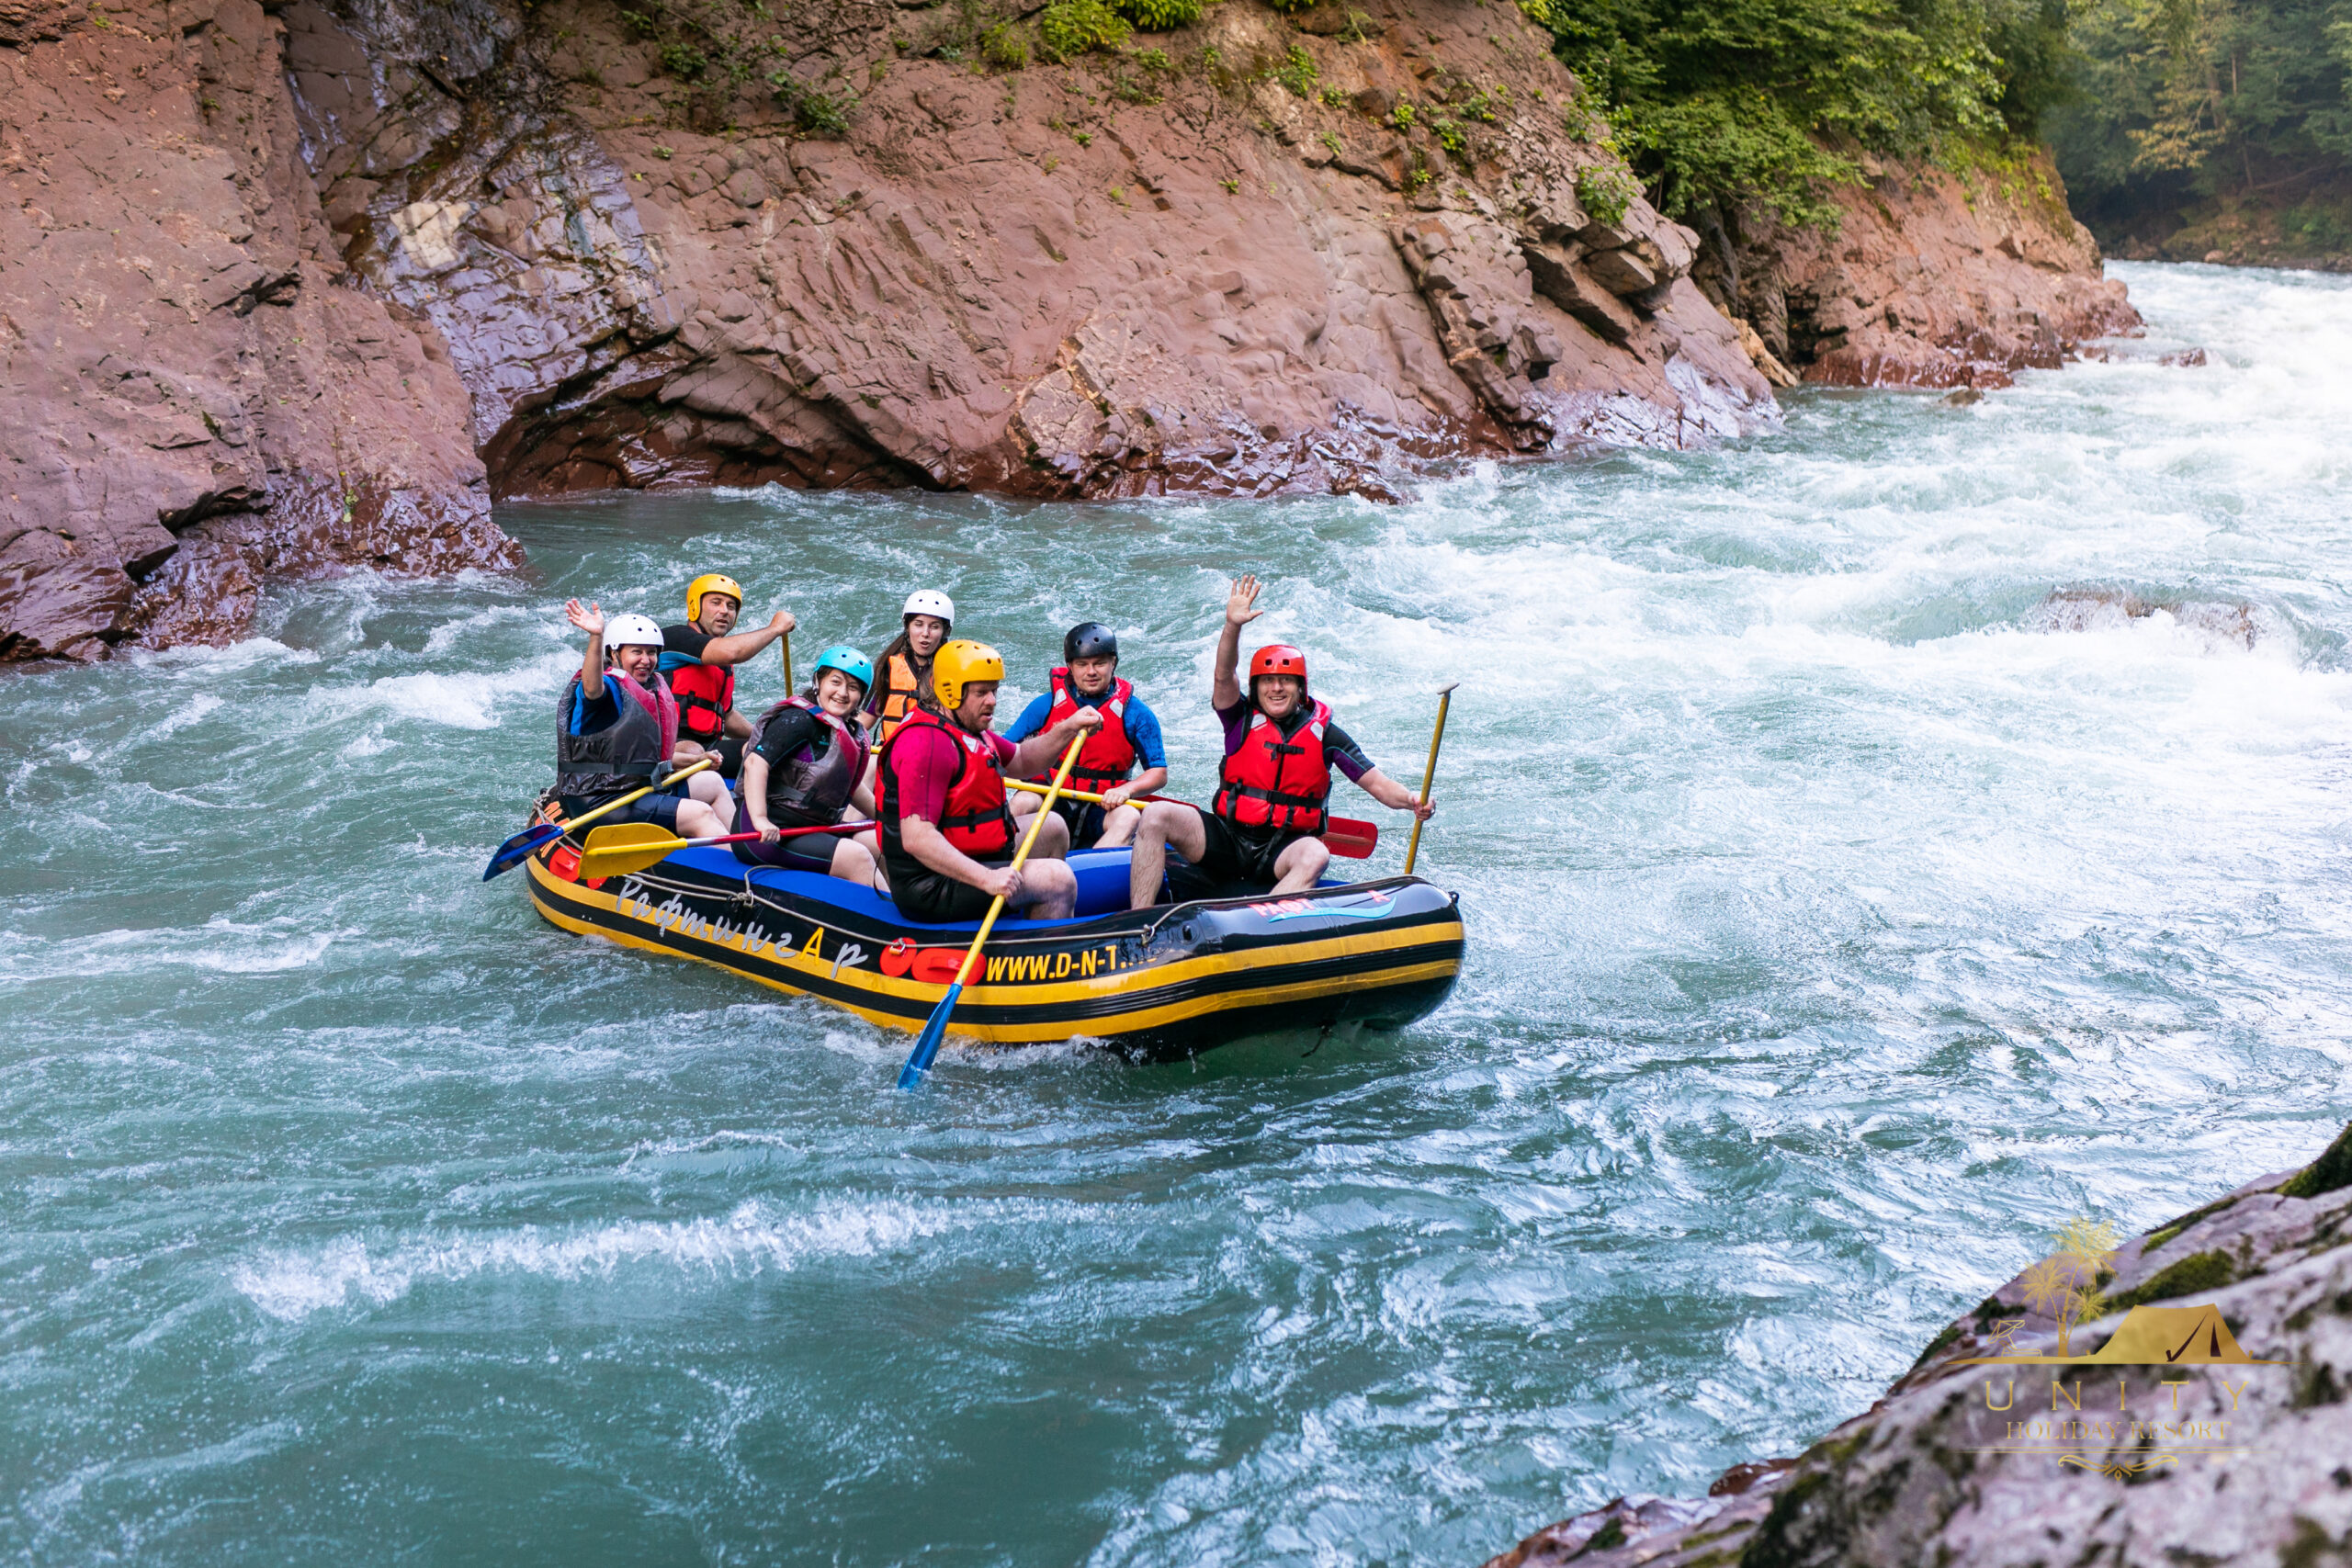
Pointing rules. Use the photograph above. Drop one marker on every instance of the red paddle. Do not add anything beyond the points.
(1347, 837)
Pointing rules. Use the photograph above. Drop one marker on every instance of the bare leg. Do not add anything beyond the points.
(851, 863)
(697, 819)
(707, 787)
(1164, 823)
(1024, 805)
(1119, 827)
(1053, 888)
(877, 879)
(1053, 839)
(1301, 864)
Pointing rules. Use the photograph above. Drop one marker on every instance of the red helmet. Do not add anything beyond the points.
(1278, 659)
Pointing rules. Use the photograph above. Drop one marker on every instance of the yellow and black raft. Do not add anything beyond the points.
(1164, 982)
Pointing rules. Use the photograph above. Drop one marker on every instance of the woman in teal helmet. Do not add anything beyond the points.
(805, 767)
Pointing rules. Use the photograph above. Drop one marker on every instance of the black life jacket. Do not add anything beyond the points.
(809, 789)
(624, 755)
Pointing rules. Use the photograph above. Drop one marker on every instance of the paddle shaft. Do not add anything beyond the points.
(1360, 839)
(587, 817)
(784, 642)
(1028, 843)
(927, 1043)
(1429, 775)
(619, 860)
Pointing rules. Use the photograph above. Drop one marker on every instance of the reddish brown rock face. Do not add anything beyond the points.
(1019, 281)
(186, 396)
(1926, 282)
(271, 278)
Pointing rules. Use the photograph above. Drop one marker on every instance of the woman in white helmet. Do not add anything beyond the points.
(904, 667)
(616, 726)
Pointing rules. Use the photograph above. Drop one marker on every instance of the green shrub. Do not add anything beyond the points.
(1072, 27)
(1004, 46)
(1287, 7)
(1735, 102)
(1605, 190)
(684, 60)
(1297, 73)
(816, 109)
(1158, 16)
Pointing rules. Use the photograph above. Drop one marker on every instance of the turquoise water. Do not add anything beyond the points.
(1844, 916)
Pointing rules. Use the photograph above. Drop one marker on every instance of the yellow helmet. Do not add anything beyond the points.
(959, 663)
(710, 582)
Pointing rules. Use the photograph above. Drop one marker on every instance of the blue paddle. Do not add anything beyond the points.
(935, 1028)
(531, 841)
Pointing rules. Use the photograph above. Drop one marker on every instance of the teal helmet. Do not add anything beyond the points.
(849, 662)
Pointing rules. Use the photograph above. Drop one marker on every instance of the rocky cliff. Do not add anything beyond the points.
(1931, 277)
(2196, 1460)
(293, 286)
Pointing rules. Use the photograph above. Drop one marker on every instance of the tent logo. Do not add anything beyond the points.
(2149, 1336)
(2119, 1440)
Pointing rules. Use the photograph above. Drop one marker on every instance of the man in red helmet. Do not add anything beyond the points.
(1280, 749)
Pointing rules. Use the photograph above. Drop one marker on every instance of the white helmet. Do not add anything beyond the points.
(632, 631)
(930, 602)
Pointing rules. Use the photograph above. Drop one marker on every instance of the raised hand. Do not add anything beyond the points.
(1078, 723)
(1241, 601)
(782, 621)
(589, 617)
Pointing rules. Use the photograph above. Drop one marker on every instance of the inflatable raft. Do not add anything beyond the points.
(1157, 983)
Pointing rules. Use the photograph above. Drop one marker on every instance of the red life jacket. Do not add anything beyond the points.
(1274, 782)
(706, 693)
(1109, 756)
(977, 822)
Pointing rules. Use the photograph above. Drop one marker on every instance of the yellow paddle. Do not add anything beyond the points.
(935, 1028)
(530, 841)
(1429, 775)
(626, 847)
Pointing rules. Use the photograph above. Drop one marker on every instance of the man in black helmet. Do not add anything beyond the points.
(1089, 677)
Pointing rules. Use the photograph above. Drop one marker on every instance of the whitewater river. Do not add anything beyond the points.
(1844, 916)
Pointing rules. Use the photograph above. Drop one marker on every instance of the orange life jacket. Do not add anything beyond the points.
(1109, 756)
(903, 695)
(1276, 783)
(978, 821)
(705, 693)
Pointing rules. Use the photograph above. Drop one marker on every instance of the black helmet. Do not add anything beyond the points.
(1089, 639)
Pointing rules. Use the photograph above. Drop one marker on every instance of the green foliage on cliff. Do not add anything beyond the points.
(1072, 28)
(1718, 103)
(2184, 98)
(1158, 16)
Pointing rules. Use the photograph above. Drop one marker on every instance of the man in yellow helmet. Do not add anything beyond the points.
(698, 658)
(947, 834)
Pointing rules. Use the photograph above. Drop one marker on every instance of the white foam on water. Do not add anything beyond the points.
(452, 699)
(221, 945)
(753, 1237)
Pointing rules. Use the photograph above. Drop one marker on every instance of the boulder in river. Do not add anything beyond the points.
(2234, 1447)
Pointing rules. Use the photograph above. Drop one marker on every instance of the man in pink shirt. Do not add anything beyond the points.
(947, 832)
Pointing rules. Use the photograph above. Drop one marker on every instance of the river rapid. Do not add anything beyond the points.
(1844, 915)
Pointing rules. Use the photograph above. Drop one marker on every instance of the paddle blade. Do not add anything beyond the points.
(520, 848)
(935, 1029)
(625, 847)
(1354, 840)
